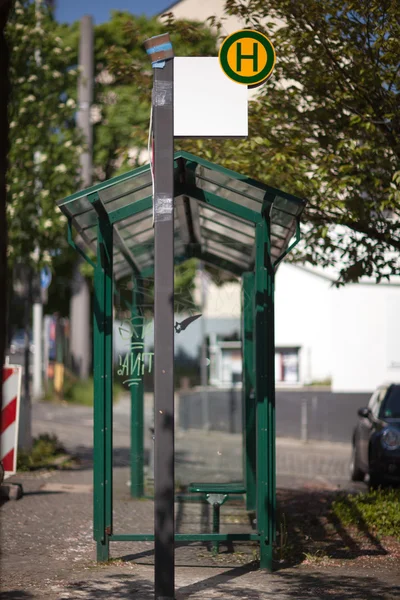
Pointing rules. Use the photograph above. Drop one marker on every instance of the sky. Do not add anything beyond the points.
(68, 11)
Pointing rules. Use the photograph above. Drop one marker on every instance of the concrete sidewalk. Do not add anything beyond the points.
(48, 550)
(49, 553)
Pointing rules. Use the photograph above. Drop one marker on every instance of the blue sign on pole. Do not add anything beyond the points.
(45, 278)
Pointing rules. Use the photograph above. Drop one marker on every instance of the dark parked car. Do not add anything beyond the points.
(376, 438)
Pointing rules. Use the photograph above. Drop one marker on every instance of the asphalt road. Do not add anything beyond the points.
(199, 455)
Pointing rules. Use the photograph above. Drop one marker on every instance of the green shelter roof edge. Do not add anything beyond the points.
(215, 214)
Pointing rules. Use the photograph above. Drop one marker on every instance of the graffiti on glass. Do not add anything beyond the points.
(133, 363)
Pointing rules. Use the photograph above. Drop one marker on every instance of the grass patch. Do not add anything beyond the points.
(80, 391)
(47, 451)
(320, 383)
(377, 510)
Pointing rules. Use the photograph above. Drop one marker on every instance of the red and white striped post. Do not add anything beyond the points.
(10, 418)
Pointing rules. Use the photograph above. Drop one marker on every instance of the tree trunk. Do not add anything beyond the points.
(5, 6)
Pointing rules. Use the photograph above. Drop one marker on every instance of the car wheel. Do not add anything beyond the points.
(356, 474)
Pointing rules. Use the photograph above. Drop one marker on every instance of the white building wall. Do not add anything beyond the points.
(221, 301)
(350, 334)
(303, 317)
(200, 10)
(366, 344)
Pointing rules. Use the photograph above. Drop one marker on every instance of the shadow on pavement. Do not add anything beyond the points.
(42, 493)
(15, 595)
(121, 457)
(259, 586)
(326, 585)
(309, 527)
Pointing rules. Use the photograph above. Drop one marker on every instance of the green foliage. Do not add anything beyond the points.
(320, 383)
(44, 144)
(81, 391)
(326, 126)
(124, 81)
(377, 510)
(45, 449)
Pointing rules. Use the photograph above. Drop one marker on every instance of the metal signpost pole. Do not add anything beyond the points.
(160, 51)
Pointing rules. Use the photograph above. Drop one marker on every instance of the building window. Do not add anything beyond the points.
(287, 365)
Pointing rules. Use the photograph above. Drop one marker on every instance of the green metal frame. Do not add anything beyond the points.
(76, 246)
(187, 537)
(265, 395)
(103, 392)
(137, 413)
(248, 391)
(257, 347)
(290, 247)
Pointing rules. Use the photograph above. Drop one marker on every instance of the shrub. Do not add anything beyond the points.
(377, 510)
(45, 449)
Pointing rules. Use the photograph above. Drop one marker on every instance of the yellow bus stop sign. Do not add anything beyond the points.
(247, 57)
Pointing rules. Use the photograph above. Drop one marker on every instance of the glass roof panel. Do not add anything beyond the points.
(233, 223)
(229, 243)
(288, 206)
(198, 223)
(211, 226)
(221, 253)
(230, 188)
(126, 200)
(77, 207)
(134, 186)
(230, 252)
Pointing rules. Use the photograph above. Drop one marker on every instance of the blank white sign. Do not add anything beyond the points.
(206, 102)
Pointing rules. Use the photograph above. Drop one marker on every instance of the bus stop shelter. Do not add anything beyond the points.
(213, 207)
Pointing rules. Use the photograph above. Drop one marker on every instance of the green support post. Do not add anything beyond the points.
(137, 408)
(265, 395)
(248, 391)
(103, 371)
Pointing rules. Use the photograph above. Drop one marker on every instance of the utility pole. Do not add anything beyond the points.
(37, 317)
(203, 360)
(160, 51)
(80, 297)
(25, 422)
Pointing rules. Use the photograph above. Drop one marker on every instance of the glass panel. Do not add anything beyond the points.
(91, 233)
(290, 206)
(125, 187)
(281, 218)
(122, 271)
(136, 227)
(146, 214)
(228, 253)
(224, 256)
(228, 242)
(87, 219)
(230, 188)
(128, 199)
(210, 229)
(140, 237)
(78, 206)
(234, 223)
(279, 230)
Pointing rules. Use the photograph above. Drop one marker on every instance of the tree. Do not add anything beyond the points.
(44, 144)
(122, 96)
(326, 126)
(123, 75)
(5, 7)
